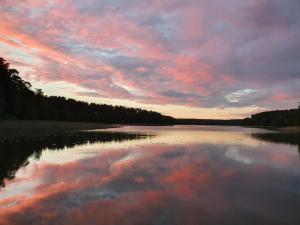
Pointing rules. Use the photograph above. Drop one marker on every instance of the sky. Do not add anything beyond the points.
(188, 59)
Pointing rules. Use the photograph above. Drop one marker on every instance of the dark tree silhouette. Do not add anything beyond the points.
(276, 118)
(18, 101)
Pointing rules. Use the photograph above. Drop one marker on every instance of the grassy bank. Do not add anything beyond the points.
(44, 128)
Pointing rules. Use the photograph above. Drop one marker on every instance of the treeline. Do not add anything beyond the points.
(19, 101)
(212, 122)
(277, 118)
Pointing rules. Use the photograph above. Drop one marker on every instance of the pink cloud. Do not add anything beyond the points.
(281, 97)
(158, 52)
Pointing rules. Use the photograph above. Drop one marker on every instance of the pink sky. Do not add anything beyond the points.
(194, 58)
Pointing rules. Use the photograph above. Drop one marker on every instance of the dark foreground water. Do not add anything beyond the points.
(184, 175)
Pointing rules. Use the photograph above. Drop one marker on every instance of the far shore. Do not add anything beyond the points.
(25, 128)
(290, 129)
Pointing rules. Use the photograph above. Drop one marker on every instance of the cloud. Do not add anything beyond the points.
(160, 52)
(238, 95)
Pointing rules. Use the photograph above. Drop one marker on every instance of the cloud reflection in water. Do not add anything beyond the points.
(163, 183)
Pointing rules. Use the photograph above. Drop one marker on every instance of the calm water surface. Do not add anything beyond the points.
(187, 175)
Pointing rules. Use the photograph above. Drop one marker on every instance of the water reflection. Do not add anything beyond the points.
(278, 137)
(15, 152)
(191, 176)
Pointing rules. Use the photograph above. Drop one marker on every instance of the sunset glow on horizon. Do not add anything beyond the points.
(187, 59)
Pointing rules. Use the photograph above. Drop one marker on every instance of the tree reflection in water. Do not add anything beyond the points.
(279, 138)
(15, 153)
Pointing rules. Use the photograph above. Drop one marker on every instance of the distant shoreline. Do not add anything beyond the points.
(36, 128)
(289, 129)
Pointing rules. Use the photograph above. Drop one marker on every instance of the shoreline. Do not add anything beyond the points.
(289, 129)
(40, 128)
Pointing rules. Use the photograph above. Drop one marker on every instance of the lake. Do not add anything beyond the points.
(137, 175)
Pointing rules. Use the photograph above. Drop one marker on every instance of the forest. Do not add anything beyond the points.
(19, 102)
(276, 118)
